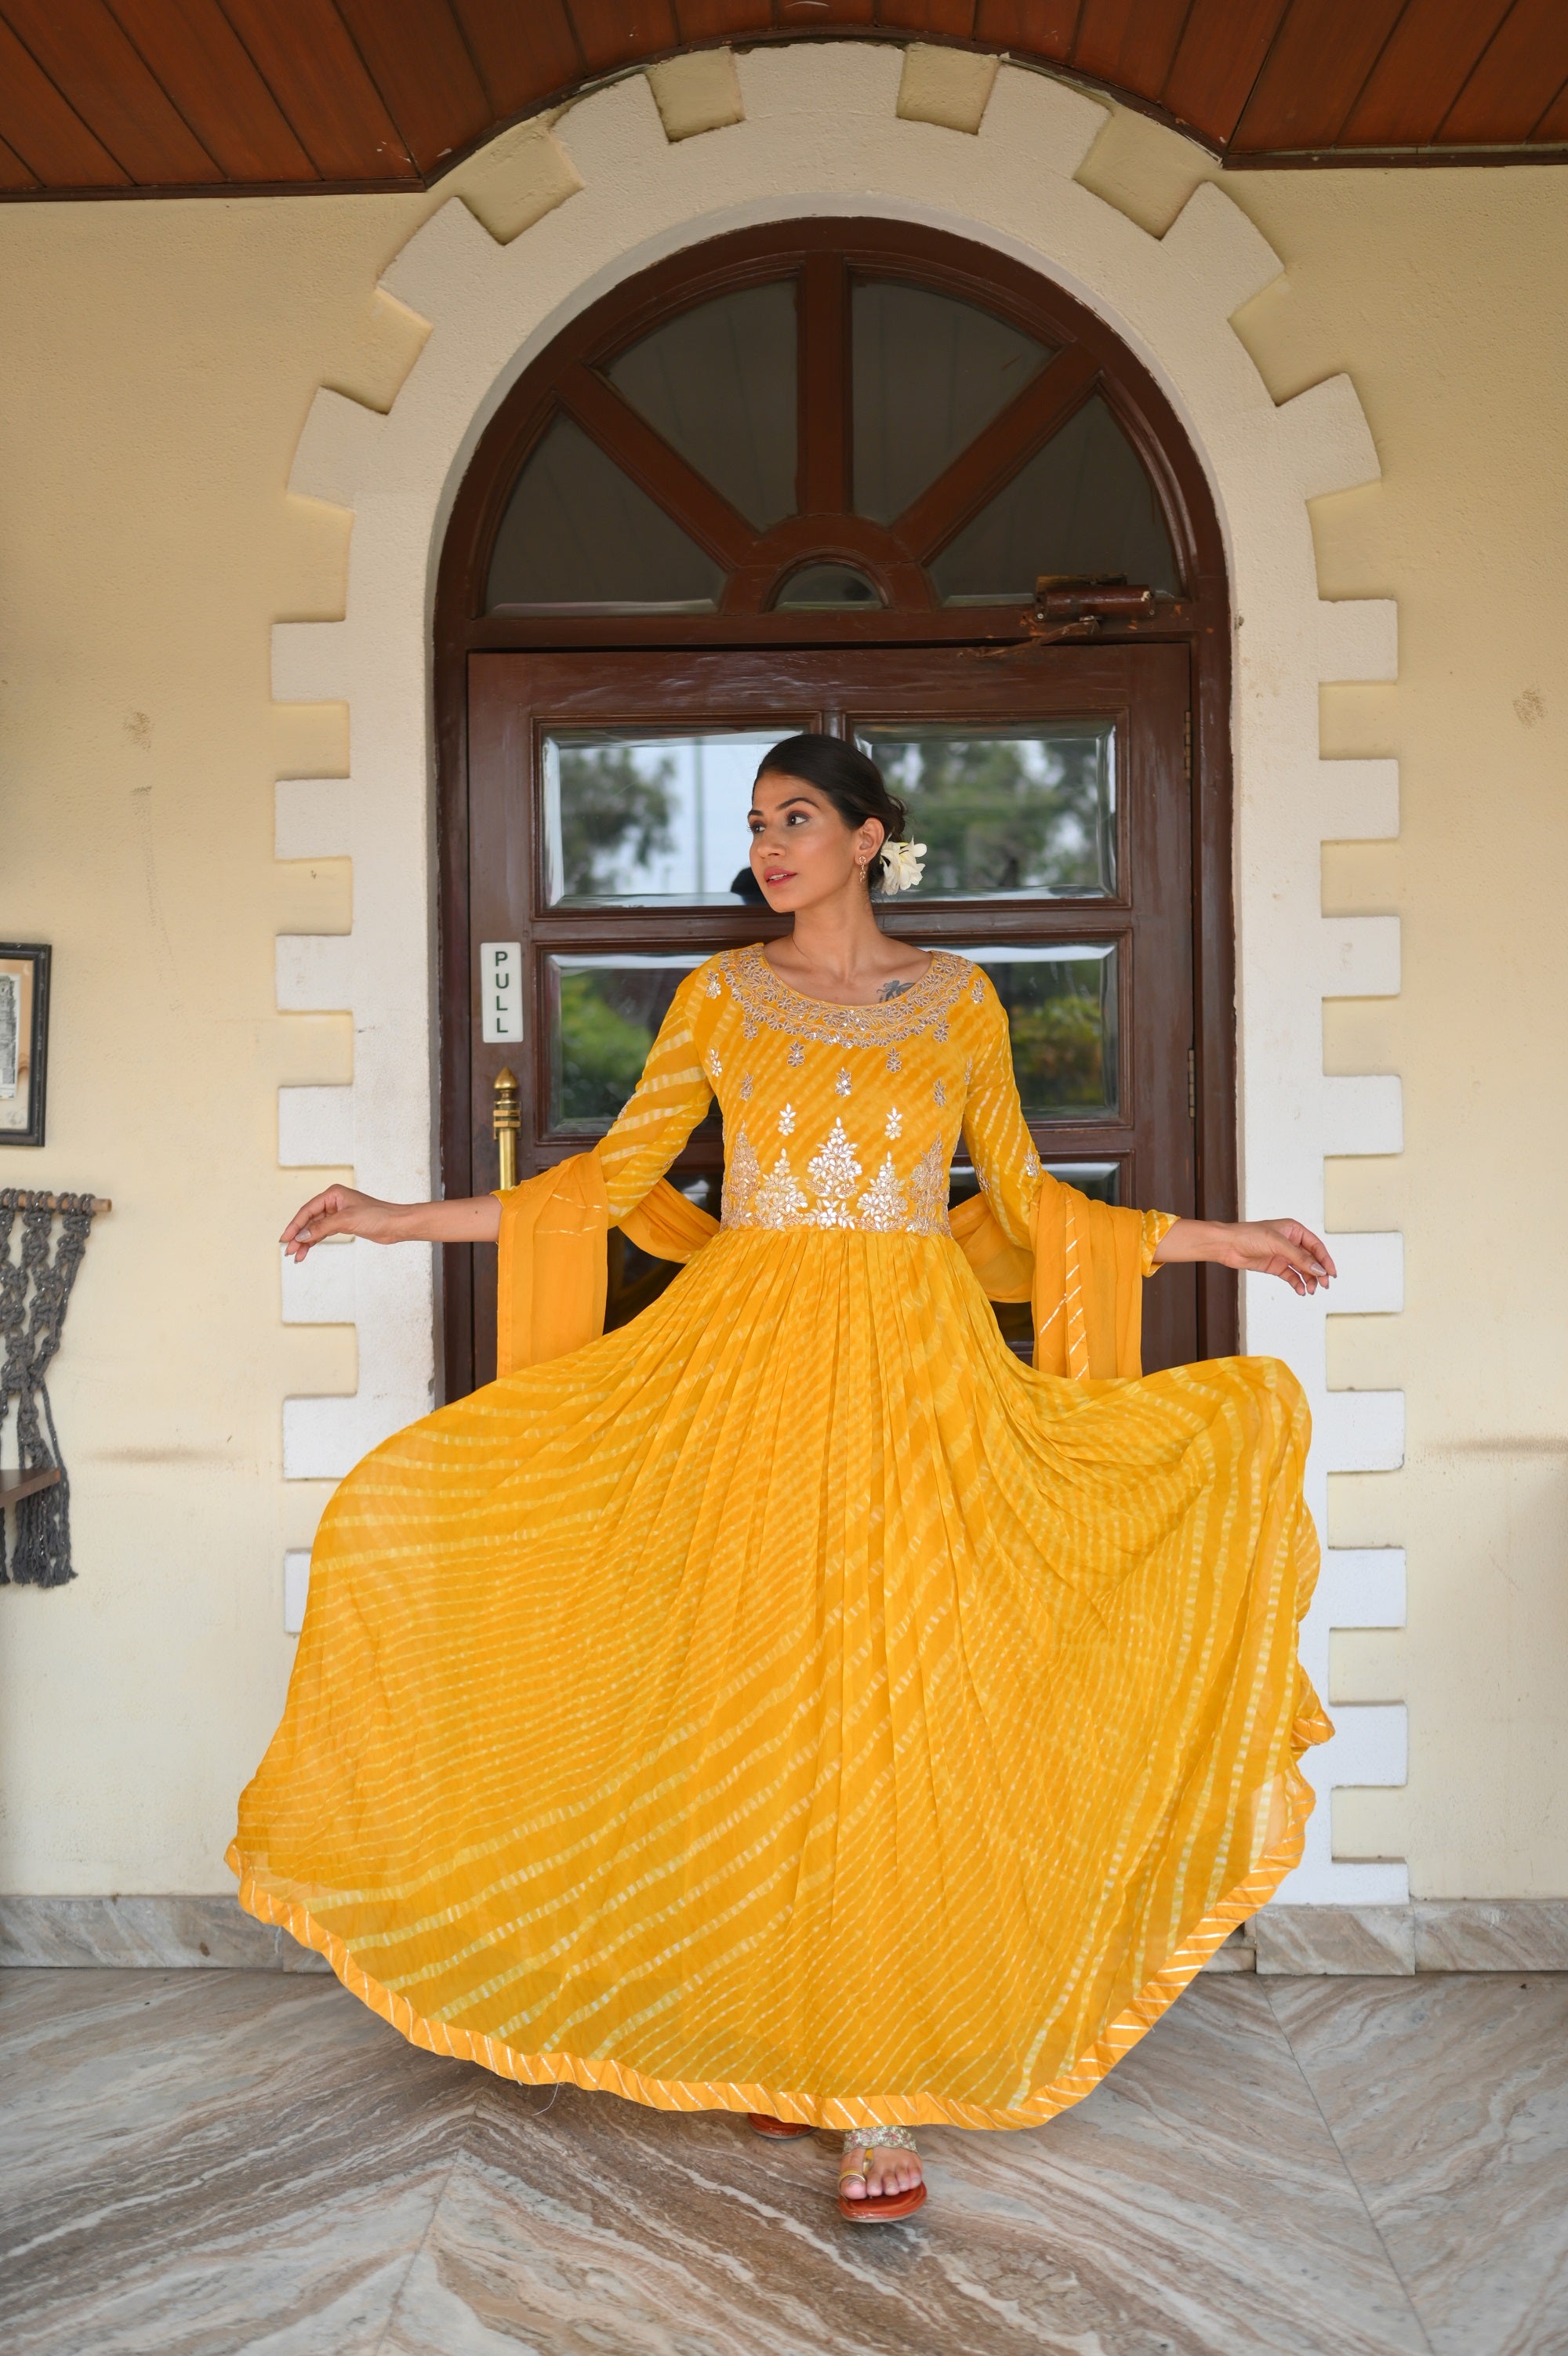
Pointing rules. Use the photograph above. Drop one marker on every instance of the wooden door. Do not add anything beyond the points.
(606, 804)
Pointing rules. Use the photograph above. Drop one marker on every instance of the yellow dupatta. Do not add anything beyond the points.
(1084, 1277)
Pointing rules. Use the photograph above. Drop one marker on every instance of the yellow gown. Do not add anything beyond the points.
(792, 1702)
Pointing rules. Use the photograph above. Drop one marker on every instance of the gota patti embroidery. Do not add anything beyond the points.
(767, 1003)
(887, 1206)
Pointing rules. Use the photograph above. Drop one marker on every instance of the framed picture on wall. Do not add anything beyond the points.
(23, 1041)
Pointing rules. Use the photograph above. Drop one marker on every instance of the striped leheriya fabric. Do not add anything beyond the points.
(792, 1702)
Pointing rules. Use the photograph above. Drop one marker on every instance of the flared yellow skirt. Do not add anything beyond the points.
(792, 1702)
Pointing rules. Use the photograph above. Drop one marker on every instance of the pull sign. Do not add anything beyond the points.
(500, 992)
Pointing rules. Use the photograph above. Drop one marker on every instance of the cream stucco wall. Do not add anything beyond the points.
(159, 361)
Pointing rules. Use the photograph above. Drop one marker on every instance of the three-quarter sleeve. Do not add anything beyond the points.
(994, 1131)
(669, 1100)
(999, 1144)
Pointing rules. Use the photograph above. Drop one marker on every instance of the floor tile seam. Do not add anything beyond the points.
(1351, 2177)
(383, 2347)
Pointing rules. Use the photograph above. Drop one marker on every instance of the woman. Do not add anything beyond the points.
(791, 1703)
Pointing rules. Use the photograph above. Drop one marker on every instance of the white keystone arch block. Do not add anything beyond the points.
(1360, 956)
(314, 973)
(295, 1589)
(1362, 1114)
(1231, 259)
(316, 1128)
(1325, 430)
(1363, 1587)
(1360, 1432)
(1358, 638)
(1358, 801)
(1031, 114)
(312, 819)
(338, 450)
(1370, 1282)
(309, 662)
(325, 1438)
(319, 1289)
(446, 265)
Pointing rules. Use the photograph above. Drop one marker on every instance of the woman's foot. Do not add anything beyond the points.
(880, 2177)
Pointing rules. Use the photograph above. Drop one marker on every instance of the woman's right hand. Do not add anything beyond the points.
(340, 1211)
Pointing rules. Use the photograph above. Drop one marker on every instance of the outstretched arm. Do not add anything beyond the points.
(341, 1211)
(1281, 1248)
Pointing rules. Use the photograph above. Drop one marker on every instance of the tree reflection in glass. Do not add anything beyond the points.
(1010, 812)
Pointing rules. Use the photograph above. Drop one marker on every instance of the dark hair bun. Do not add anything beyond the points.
(851, 780)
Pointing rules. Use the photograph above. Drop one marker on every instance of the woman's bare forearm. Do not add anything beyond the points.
(344, 1211)
(1281, 1247)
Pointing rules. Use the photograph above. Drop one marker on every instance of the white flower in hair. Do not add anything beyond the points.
(905, 865)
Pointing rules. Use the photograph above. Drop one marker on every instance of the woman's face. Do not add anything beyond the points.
(801, 851)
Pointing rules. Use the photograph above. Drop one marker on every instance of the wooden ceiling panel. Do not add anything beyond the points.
(50, 138)
(1218, 60)
(1046, 27)
(1524, 66)
(1129, 42)
(616, 32)
(951, 20)
(419, 61)
(1426, 61)
(521, 61)
(321, 84)
(206, 69)
(178, 96)
(96, 69)
(14, 173)
(1315, 71)
(716, 20)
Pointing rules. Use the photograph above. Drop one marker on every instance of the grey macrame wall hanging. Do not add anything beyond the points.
(34, 1287)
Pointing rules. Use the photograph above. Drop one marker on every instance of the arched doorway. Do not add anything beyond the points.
(810, 475)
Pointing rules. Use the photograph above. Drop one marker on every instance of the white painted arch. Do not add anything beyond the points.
(821, 134)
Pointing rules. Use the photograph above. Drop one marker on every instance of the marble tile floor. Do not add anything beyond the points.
(249, 2164)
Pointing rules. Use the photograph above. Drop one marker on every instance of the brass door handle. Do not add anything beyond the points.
(506, 1123)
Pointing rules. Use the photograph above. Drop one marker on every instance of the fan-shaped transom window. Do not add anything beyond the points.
(835, 434)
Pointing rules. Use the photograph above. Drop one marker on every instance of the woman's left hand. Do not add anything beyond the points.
(1281, 1247)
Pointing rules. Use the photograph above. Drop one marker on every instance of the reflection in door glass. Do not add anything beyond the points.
(719, 382)
(603, 1013)
(1061, 1011)
(580, 537)
(640, 818)
(929, 373)
(1025, 809)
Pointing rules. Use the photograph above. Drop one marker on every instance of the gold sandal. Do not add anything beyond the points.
(878, 2207)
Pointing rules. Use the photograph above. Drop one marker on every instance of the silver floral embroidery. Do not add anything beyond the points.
(842, 1081)
(884, 1207)
(715, 987)
(1031, 1162)
(741, 1174)
(797, 1054)
(938, 1092)
(928, 1193)
(745, 1088)
(895, 1123)
(834, 1171)
(715, 1067)
(760, 994)
(786, 1121)
(940, 1034)
(977, 992)
(750, 1026)
(895, 1063)
(779, 1199)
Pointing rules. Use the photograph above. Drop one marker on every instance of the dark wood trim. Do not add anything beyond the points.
(983, 469)
(661, 471)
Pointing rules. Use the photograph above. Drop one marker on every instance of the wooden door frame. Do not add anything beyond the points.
(1199, 619)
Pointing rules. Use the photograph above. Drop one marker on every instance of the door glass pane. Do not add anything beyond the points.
(603, 1013)
(929, 374)
(1025, 809)
(1061, 1010)
(719, 383)
(634, 818)
(580, 537)
(1101, 1181)
(1083, 505)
